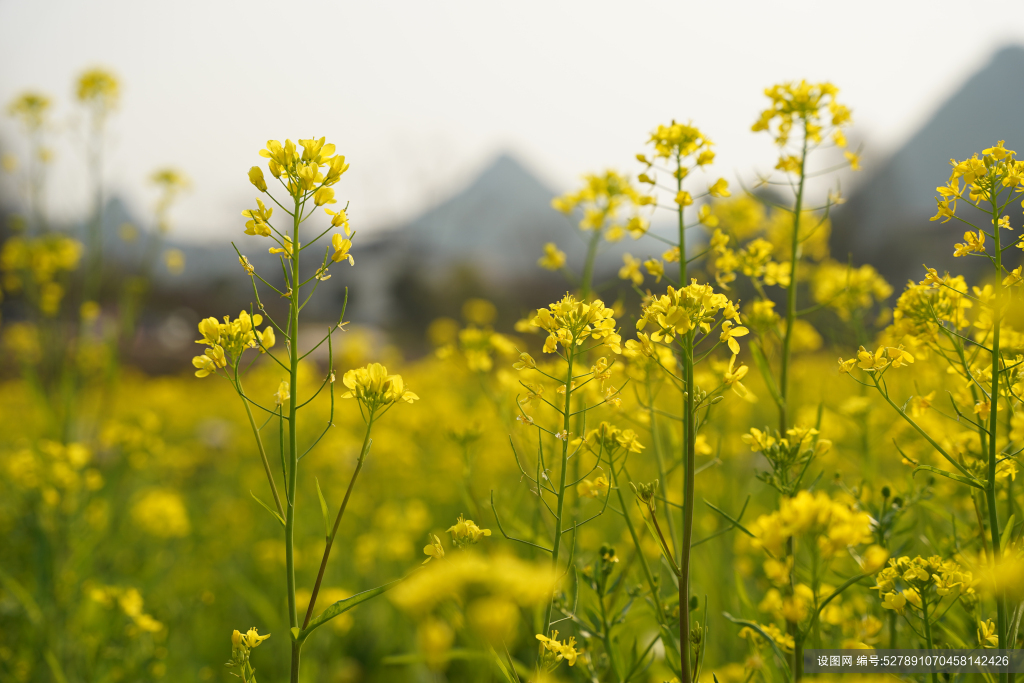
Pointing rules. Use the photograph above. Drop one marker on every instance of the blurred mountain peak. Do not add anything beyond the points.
(885, 220)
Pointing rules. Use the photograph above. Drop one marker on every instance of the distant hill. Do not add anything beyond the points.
(885, 220)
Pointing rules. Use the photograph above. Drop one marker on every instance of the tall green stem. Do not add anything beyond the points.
(293, 454)
(928, 630)
(337, 521)
(570, 356)
(993, 424)
(688, 446)
(587, 283)
(787, 340)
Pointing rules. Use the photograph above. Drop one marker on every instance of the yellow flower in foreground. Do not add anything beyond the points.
(465, 531)
(259, 217)
(339, 219)
(729, 334)
(375, 388)
(256, 178)
(285, 248)
(565, 649)
(341, 249)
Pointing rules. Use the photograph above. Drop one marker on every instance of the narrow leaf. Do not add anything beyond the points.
(734, 522)
(268, 508)
(1007, 533)
(345, 605)
(970, 481)
(323, 509)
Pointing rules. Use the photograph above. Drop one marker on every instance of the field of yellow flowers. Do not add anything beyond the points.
(739, 449)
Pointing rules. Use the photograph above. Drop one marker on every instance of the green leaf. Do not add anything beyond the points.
(766, 373)
(654, 533)
(323, 509)
(970, 481)
(734, 522)
(771, 641)
(28, 603)
(1004, 540)
(345, 605)
(268, 508)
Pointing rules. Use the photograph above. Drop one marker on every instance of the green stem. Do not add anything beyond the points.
(607, 636)
(689, 447)
(259, 443)
(337, 522)
(293, 451)
(587, 284)
(993, 425)
(656, 446)
(927, 630)
(570, 356)
(791, 302)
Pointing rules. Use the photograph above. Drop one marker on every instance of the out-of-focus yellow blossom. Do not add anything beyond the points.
(161, 512)
(603, 199)
(631, 270)
(31, 109)
(98, 88)
(283, 393)
(553, 258)
(592, 489)
(833, 524)
(812, 106)
(174, 259)
(433, 549)
(655, 268)
(720, 188)
(373, 387)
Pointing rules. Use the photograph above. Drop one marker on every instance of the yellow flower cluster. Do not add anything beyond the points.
(608, 438)
(507, 576)
(690, 149)
(983, 179)
(465, 532)
(847, 290)
(99, 88)
(834, 524)
(161, 512)
(603, 199)
(812, 105)
(918, 575)
(882, 358)
(131, 603)
(564, 649)
(570, 322)
(56, 470)
(302, 173)
(41, 261)
(374, 388)
(31, 108)
(680, 311)
(247, 640)
(229, 339)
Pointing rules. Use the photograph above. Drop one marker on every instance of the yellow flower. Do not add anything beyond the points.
(256, 178)
(683, 198)
(592, 489)
(720, 188)
(894, 601)
(283, 393)
(733, 375)
(375, 388)
(729, 334)
(553, 258)
(525, 362)
(259, 217)
(899, 356)
(324, 195)
(854, 160)
(466, 532)
(655, 268)
(339, 219)
(561, 649)
(285, 248)
(570, 322)
(872, 361)
(99, 88)
(434, 549)
(631, 270)
(341, 248)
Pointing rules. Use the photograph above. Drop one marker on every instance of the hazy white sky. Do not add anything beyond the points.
(420, 95)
